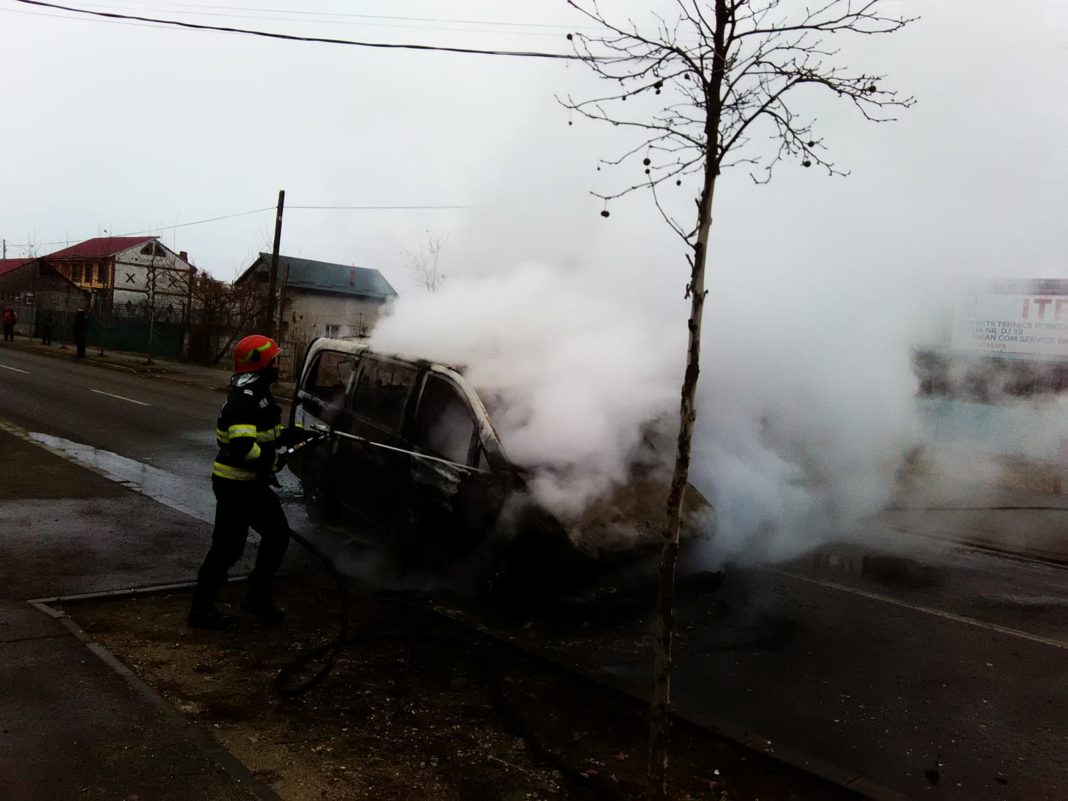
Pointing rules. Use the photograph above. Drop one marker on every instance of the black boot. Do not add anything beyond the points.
(261, 604)
(208, 618)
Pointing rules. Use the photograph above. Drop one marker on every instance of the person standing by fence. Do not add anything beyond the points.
(48, 324)
(9, 319)
(81, 331)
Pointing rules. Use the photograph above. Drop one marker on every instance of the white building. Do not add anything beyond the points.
(128, 274)
(318, 298)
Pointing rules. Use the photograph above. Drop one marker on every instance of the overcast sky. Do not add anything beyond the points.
(122, 128)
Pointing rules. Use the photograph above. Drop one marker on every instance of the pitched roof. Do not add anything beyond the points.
(9, 265)
(323, 276)
(100, 247)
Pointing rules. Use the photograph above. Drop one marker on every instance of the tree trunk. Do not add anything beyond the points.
(669, 551)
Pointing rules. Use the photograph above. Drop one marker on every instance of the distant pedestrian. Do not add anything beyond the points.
(9, 319)
(48, 325)
(81, 330)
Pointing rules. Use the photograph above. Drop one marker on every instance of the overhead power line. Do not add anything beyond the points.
(295, 38)
(316, 13)
(425, 24)
(257, 211)
(151, 230)
(382, 208)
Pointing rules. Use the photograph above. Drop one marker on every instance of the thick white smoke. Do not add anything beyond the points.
(571, 371)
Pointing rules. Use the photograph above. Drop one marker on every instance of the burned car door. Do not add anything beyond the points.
(322, 396)
(372, 474)
(320, 401)
(453, 484)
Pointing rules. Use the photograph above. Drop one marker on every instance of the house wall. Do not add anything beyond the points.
(134, 274)
(307, 315)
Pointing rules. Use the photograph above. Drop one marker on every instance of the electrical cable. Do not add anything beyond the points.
(381, 208)
(310, 39)
(260, 211)
(446, 20)
(152, 230)
(327, 18)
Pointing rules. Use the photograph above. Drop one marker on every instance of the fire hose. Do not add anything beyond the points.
(286, 686)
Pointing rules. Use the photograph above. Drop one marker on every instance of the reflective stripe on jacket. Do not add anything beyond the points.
(247, 431)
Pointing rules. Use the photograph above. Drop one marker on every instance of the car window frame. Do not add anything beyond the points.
(474, 446)
(365, 361)
(313, 371)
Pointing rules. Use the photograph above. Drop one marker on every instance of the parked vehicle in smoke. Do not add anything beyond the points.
(415, 460)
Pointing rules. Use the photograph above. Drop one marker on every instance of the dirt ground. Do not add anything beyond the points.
(417, 707)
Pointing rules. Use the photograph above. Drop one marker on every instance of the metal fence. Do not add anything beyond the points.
(109, 332)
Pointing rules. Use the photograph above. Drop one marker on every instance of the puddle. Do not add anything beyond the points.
(193, 498)
(189, 494)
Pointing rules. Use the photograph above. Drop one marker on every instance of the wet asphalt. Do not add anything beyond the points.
(936, 671)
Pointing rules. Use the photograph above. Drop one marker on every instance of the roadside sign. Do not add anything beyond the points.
(1027, 324)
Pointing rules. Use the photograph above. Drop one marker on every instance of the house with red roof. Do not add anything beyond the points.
(10, 291)
(30, 287)
(127, 275)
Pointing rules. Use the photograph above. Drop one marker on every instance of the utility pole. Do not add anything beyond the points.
(272, 285)
(5, 249)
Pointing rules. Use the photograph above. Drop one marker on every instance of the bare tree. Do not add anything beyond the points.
(246, 303)
(423, 264)
(724, 71)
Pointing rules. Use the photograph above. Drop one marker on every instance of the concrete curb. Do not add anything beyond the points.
(205, 743)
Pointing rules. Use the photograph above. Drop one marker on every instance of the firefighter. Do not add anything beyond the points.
(250, 436)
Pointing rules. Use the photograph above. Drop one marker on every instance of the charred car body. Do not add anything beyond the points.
(414, 459)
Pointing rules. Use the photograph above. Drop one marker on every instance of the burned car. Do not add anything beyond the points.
(414, 460)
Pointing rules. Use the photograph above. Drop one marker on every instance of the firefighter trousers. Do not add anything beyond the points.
(241, 505)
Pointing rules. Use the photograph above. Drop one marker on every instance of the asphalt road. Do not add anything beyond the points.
(932, 670)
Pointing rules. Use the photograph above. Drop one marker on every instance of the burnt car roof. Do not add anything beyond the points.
(359, 347)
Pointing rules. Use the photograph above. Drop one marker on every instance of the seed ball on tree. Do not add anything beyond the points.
(811, 144)
(806, 163)
(646, 162)
(570, 37)
(605, 213)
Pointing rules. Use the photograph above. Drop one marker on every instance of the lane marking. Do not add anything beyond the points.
(15, 369)
(968, 621)
(120, 397)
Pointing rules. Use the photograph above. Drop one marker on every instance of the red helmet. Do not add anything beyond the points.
(255, 352)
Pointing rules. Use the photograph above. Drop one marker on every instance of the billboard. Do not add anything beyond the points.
(1031, 325)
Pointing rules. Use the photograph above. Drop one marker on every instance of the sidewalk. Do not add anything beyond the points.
(999, 512)
(71, 726)
(198, 375)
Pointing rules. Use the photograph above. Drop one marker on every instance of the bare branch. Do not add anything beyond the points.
(765, 55)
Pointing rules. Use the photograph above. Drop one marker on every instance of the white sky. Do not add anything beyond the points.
(121, 128)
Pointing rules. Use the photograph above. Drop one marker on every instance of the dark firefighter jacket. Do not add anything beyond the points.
(248, 431)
